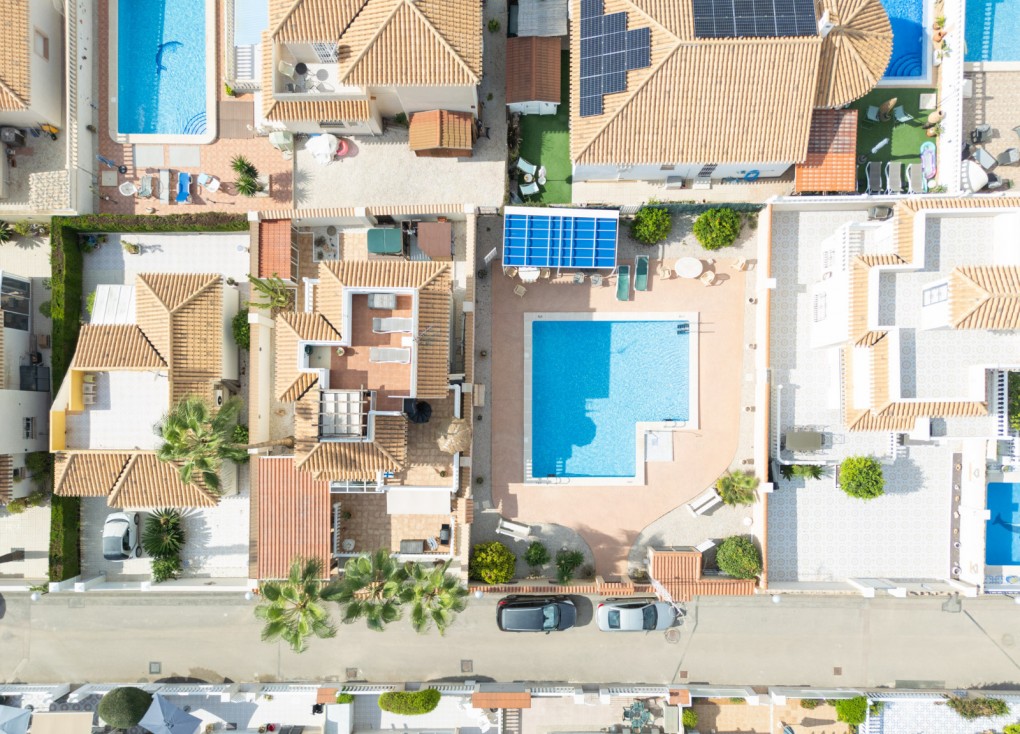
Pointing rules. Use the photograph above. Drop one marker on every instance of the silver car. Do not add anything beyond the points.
(634, 615)
(120, 536)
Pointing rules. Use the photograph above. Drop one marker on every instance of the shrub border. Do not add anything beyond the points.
(67, 302)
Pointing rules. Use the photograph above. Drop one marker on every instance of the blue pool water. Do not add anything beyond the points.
(161, 74)
(1002, 531)
(993, 30)
(592, 381)
(910, 45)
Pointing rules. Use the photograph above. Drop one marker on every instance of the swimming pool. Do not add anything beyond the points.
(1002, 530)
(162, 70)
(909, 58)
(993, 30)
(594, 378)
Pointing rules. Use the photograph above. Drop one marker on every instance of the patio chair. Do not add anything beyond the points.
(641, 273)
(596, 280)
(286, 69)
(1009, 157)
(578, 279)
(901, 114)
(392, 325)
(207, 182)
(145, 186)
(873, 174)
(880, 213)
(872, 114)
(981, 133)
(623, 284)
(520, 291)
(915, 179)
(529, 189)
(894, 177)
(525, 167)
(708, 277)
(985, 159)
(393, 355)
(183, 187)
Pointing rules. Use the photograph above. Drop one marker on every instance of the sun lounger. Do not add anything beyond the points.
(525, 167)
(183, 187)
(396, 355)
(915, 179)
(894, 177)
(902, 115)
(985, 159)
(623, 284)
(207, 182)
(873, 172)
(529, 189)
(641, 273)
(392, 324)
(164, 186)
(1009, 157)
(145, 186)
(872, 114)
(511, 529)
(703, 502)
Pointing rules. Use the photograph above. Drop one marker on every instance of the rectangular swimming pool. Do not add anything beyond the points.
(1002, 530)
(993, 30)
(593, 379)
(910, 56)
(162, 70)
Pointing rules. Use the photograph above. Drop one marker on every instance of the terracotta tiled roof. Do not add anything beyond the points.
(6, 477)
(292, 328)
(148, 482)
(906, 209)
(114, 346)
(864, 419)
(294, 518)
(857, 312)
(855, 52)
(494, 700)
(274, 248)
(310, 20)
(934, 409)
(831, 163)
(15, 61)
(433, 363)
(679, 572)
(533, 69)
(441, 130)
(87, 474)
(985, 297)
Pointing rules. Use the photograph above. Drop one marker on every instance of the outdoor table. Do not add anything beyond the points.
(803, 440)
(689, 267)
(435, 239)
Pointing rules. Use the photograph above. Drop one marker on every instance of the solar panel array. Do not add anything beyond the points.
(552, 241)
(608, 51)
(754, 18)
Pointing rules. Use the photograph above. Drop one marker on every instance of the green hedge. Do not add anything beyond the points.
(853, 711)
(66, 301)
(410, 703)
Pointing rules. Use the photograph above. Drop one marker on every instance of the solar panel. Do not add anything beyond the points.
(754, 18)
(608, 51)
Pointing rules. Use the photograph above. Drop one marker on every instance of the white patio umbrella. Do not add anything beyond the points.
(323, 148)
(165, 718)
(975, 177)
(14, 720)
(455, 436)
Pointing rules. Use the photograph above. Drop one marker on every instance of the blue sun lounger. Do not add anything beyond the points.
(641, 273)
(183, 187)
(623, 284)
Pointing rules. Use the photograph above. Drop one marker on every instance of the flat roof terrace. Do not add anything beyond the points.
(127, 406)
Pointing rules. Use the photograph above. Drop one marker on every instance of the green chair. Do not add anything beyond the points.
(623, 284)
(641, 273)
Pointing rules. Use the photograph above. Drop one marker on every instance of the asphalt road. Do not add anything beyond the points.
(803, 640)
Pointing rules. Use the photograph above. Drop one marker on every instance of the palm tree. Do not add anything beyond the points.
(292, 610)
(373, 586)
(198, 440)
(737, 488)
(436, 596)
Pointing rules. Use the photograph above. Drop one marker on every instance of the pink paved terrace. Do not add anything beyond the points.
(699, 456)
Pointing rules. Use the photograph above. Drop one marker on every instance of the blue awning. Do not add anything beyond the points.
(560, 238)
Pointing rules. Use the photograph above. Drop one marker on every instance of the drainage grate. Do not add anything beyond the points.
(351, 673)
(155, 668)
(683, 675)
(467, 666)
(837, 671)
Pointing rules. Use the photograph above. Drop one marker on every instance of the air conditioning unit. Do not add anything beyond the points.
(702, 182)
(219, 397)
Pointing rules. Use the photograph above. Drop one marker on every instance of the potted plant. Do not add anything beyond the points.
(934, 131)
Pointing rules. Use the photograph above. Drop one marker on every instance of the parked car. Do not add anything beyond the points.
(634, 615)
(520, 613)
(120, 536)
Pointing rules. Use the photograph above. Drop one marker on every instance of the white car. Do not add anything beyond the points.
(120, 536)
(634, 615)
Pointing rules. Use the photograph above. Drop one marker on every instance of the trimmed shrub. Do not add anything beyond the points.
(163, 536)
(410, 703)
(718, 228)
(537, 555)
(344, 698)
(90, 303)
(166, 568)
(492, 563)
(651, 225)
(44, 308)
(689, 718)
(737, 488)
(977, 708)
(852, 710)
(810, 703)
(737, 557)
(567, 561)
(1013, 390)
(861, 477)
(241, 329)
(124, 707)
(65, 536)
(805, 471)
(1011, 729)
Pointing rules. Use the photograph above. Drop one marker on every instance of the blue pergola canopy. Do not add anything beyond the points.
(560, 238)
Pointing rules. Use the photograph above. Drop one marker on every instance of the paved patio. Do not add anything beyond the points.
(563, 714)
(996, 101)
(723, 715)
(915, 717)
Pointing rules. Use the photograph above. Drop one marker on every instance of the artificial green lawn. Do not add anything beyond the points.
(545, 141)
(905, 138)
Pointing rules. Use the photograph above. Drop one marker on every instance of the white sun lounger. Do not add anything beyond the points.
(164, 186)
(388, 325)
(515, 530)
(398, 355)
(704, 502)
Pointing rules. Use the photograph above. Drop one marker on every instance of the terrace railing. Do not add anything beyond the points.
(950, 170)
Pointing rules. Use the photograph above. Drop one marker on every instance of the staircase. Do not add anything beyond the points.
(511, 721)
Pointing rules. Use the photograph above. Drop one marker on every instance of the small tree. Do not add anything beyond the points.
(851, 710)
(372, 588)
(1011, 728)
(738, 557)
(163, 535)
(410, 703)
(689, 718)
(737, 488)
(241, 329)
(278, 296)
(567, 562)
(861, 477)
(243, 167)
(492, 563)
(718, 228)
(436, 596)
(651, 225)
(124, 707)
(536, 556)
(978, 708)
(292, 610)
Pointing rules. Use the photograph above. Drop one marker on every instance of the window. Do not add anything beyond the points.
(339, 124)
(667, 168)
(30, 428)
(41, 44)
(935, 294)
(820, 310)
